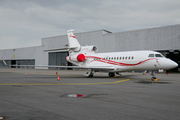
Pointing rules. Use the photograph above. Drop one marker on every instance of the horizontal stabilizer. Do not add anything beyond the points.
(69, 48)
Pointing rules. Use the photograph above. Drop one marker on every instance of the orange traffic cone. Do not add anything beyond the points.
(56, 73)
(58, 78)
(25, 73)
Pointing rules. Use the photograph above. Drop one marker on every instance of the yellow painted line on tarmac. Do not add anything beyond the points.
(41, 84)
(46, 84)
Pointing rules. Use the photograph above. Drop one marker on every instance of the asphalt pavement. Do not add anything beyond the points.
(132, 96)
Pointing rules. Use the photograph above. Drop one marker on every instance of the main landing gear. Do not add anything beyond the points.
(89, 74)
(111, 74)
(153, 78)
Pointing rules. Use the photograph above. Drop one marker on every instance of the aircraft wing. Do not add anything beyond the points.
(76, 67)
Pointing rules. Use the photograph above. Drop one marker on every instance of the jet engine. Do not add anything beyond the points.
(76, 58)
(92, 48)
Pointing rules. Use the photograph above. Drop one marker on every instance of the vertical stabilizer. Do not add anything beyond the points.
(73, 43)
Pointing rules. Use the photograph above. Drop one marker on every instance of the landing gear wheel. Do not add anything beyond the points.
(111, 74)
(152, 79)
(90, 75)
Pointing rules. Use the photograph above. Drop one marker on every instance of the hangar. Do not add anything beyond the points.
(165, 39)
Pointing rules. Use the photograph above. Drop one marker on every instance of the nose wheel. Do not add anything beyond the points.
(153, 78)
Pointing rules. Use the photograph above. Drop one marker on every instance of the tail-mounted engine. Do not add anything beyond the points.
(76, 58)
(89, 49)
(80, 56)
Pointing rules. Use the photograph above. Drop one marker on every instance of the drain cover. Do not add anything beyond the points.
(82, 95)
(73, 95)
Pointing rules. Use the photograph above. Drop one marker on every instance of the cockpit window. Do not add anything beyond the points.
(151, 55)
(158, 55)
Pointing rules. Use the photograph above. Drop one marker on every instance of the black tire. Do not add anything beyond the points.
(111, 74)
(90, 76)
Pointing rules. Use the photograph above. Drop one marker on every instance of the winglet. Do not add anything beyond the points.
(4, 62)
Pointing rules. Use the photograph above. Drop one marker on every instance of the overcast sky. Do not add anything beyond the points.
(24, 22)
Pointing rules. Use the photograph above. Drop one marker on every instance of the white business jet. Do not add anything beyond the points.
(84, 57)
(114, 62)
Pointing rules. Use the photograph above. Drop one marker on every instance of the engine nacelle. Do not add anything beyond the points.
(76, 58)
(94, 48)
(89, 49)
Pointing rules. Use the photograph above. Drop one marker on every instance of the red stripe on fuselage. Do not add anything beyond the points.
(118, 63)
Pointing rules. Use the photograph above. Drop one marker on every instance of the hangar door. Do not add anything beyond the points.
(175, 56)
(58, 59)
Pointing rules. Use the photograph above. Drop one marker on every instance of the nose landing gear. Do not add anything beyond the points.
(153, 78)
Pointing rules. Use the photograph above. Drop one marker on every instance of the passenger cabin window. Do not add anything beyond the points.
(151, 55)
(158, 55)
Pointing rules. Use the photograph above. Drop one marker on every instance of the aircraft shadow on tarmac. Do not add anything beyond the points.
(153, 82)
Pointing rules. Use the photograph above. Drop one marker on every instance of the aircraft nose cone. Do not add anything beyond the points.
(172, 64)
(168, 64)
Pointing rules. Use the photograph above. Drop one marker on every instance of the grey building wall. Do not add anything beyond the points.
(159, 39)
(21, 55)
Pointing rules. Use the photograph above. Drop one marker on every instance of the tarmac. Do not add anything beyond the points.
(132, 96)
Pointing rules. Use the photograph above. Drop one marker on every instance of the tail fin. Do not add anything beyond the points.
(73, 43)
